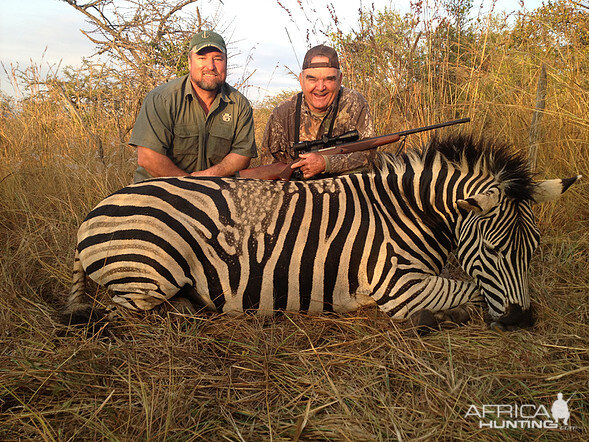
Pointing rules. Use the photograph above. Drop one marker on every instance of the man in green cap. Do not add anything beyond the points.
(197, 124)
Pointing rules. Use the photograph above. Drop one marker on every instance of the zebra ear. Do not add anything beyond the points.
(480, 203)
(551, 189)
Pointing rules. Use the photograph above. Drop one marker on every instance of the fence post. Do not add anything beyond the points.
(535, 129)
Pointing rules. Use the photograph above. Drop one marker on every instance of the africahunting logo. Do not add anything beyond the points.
(523, 416)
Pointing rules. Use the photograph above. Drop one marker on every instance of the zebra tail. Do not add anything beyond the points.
(80, 309)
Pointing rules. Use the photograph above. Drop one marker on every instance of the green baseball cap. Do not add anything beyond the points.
(205, 39)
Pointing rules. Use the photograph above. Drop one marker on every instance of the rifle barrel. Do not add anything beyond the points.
(432, 127)
(365, 144)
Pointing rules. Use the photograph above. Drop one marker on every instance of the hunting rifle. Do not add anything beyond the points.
(283, 171)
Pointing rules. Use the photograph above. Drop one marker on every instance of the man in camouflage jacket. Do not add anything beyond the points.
(323, 108)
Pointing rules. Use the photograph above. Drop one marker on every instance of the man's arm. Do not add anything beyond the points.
(232, 163)
(157, 164)
(275, 141)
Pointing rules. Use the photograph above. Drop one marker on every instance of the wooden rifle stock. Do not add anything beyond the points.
(267, 172)
(283, 171)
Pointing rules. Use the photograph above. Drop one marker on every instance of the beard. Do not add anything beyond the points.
(210, 84)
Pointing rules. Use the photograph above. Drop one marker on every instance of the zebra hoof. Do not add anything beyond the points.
(82, 315)
(424, 322)
(177, 305)
(498, 326)
(92, 321)
(457, 315)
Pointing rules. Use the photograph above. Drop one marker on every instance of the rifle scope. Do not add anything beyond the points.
(325, 142)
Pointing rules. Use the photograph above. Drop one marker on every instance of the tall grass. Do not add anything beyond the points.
(356, 377)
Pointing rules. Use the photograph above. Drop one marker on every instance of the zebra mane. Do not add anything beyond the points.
(510, 168)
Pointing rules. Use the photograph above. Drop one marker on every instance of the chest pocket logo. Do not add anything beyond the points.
(226, 117)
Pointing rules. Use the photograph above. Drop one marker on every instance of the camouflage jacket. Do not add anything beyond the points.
(353, 113)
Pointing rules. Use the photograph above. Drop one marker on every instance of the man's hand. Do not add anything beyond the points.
(227, 167)
(310, 164)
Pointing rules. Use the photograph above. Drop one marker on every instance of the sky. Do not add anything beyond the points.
(262, 36)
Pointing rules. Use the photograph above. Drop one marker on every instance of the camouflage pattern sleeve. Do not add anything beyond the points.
(271, 133)
(342, 163)
(364, 123)
(275, 142)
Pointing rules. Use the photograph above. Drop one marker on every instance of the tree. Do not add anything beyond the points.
(141, 42)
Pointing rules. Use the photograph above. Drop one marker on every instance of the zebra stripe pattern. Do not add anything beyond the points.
(326, 245)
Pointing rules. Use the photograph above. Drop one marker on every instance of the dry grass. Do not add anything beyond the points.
(357, 377)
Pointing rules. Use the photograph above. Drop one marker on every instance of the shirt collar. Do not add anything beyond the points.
(305, 108)
(224, 93)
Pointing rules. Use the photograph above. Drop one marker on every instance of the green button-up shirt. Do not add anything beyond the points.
(172, 122)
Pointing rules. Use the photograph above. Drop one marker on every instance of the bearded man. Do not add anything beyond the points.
(197, 124)
(323, 108)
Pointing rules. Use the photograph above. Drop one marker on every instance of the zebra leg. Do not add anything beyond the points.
(426, 321)
(462, 313)
(80, 308)
(434, 299)
(141, 299)
(186, 302)
(415, 291)
(458, 315)
(423, 320)
(178, 305)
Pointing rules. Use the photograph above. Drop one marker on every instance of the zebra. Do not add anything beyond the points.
(327, 245)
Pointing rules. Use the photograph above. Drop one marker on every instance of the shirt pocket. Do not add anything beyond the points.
(186, 139)
(219, 143)
(185, 151)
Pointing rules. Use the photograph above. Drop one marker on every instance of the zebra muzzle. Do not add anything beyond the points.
(514, 317)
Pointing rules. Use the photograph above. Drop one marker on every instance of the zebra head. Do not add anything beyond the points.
(496, 241)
